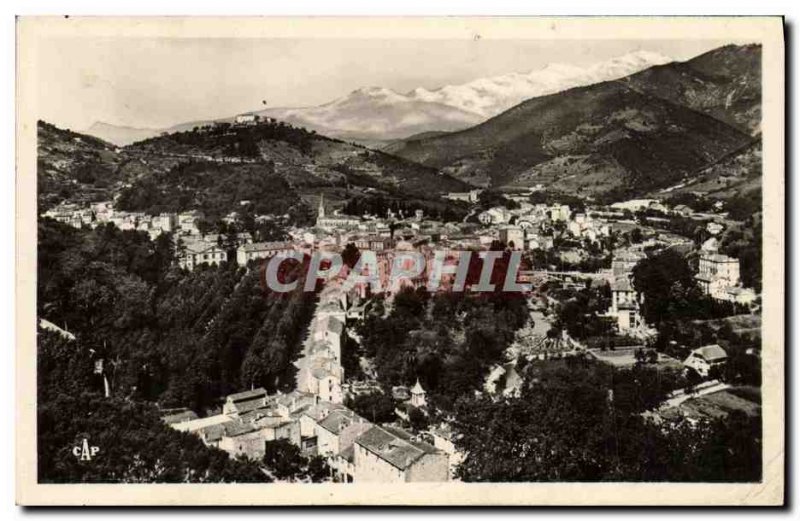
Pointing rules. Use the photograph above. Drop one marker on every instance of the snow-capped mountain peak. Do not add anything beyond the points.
(490, 96)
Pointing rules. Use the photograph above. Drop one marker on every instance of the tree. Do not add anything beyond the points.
(350, 255)
(377, 407)
(285, 462)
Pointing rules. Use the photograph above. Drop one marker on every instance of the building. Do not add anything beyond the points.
(247, 422)
(334, 222)
(188, 221)
(338, 430)
(513, 237)
(706, 358)
(468, 197)
(239, 403)
(261, 250)
(391, 455)
(624, 261)
(374, 243)
(418, 396)
(200, 252)
(717, 268)
(559, 212)
(246, 119)
(443, 439)
(624, 305)
(496, 215)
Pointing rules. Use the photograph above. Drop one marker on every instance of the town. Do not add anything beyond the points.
(566, 250)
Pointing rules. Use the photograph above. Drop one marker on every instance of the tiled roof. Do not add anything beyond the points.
(340, 419)
(394, 446)
(179, 417)
(247, 395)
(322, 409)
(265, 246)
(712, 352)
(718, 257)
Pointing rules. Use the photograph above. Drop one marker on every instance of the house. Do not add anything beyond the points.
(468, 197)
(188, 221)
(388, 454)
(336, 434)
(374, 243)
(683, 210)
(714, 228)
(287, 405)
(624, 261)
(239, 403)
(496, 215)
(513, 237)
(179, 416)
(624, 304)
(312, 415)
(247, 119)
(443, 440)
(559, 212)
(704, 359)
(200, 252)
(242, 439)
(261, 250)
(322, 376)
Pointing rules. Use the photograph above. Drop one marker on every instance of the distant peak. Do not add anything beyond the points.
(375, 91)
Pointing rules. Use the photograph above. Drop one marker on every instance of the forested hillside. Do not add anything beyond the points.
(178, 338)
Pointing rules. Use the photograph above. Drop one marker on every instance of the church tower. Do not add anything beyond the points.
(418, 395)
(321, 209)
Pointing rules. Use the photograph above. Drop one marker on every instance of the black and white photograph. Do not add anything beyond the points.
(425, 256)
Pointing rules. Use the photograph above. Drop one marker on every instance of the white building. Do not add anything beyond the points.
(704, 359)
(200, 252)
(513, 237)
(496, 215)
(624, 305)
(246, 119)
(261, 250)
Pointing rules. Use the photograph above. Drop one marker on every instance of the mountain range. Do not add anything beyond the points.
(692, 125)
(651, 129)
(377, 114)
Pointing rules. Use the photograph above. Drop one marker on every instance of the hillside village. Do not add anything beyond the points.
(627, 286)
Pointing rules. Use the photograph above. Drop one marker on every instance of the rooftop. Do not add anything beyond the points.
(247, 395)
(394, 446)
(712, 352)
(340, 419)
(265, 246)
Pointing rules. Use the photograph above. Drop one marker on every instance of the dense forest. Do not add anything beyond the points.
(579, 420)
(158, 336)
(446, 340)
(180, 338)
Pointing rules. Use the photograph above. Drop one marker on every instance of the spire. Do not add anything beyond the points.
(321, 210)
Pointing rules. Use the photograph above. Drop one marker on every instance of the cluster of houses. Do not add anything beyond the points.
(314, 417)
(99, 213)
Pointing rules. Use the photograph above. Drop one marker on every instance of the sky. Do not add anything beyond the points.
(160, 82)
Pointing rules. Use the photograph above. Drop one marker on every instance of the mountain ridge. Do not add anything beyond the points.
(379, 114)
(615, 137)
